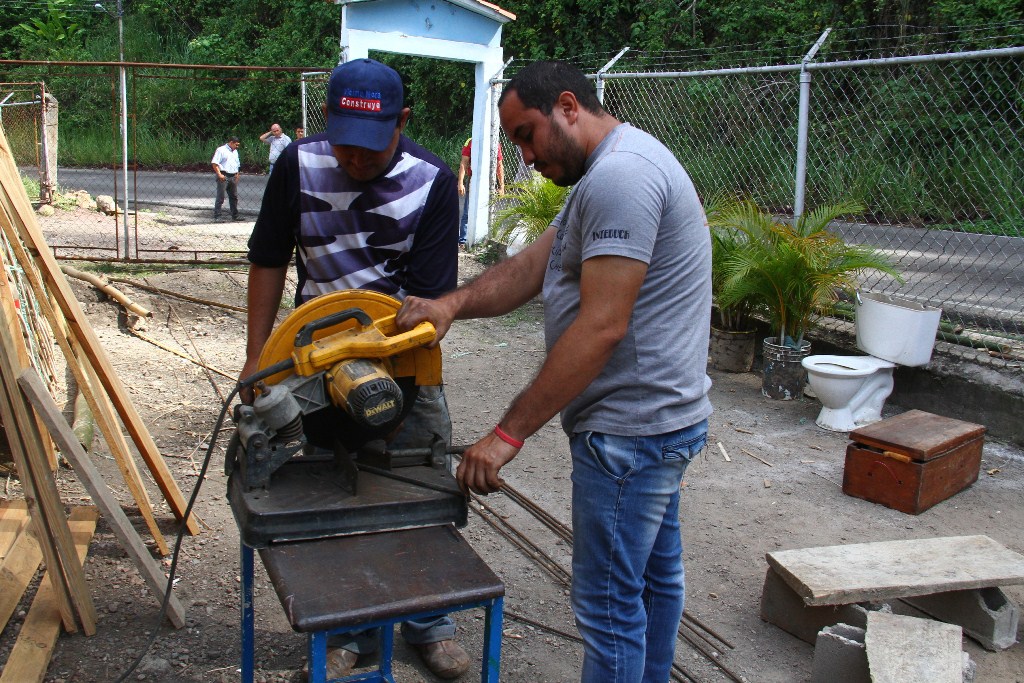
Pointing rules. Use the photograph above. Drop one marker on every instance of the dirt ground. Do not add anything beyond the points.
(734, 510)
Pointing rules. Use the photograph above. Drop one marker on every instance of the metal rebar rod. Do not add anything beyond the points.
(540, 513)
(177, 295)
(697, 633)
(565, 576)
(544, 627)
(558, 572)
(690, 617)
(387, 474)
(710, 656)
(679, 672)
(541, 561)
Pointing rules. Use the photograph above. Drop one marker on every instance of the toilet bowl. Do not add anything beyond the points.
(853, 389)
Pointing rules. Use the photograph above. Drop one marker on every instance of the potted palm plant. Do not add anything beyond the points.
(733, 337)
(794, 273)
(527, 209)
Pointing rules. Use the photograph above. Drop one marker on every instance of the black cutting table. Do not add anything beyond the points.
(334, 585)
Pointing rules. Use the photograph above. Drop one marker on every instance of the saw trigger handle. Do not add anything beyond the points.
(305, 335)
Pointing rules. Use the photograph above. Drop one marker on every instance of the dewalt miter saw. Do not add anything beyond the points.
(310, 458)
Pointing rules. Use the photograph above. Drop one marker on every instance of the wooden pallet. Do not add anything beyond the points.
(31, 653)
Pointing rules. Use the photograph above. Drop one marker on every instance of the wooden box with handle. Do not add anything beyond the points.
(912, 461)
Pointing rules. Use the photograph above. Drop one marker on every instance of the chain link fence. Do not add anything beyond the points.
(925, 133)
(21, 111)
(930, 144)
(314, 101)
(167, 185)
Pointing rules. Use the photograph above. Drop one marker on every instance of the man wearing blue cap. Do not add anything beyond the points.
(363, 207)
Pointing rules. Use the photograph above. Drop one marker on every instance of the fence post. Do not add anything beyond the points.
(492, 180)
(601, 72)
(302, 84)
(48, 138)
(801, 128)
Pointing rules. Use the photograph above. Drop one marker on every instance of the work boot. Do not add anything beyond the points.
(445, 658)
(340, 663)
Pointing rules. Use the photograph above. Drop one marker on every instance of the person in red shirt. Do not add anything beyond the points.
(465, 173)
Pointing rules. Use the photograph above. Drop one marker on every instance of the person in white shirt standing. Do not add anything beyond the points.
(226, 167)
(277, 140)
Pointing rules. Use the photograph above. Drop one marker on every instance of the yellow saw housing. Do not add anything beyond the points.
(395, 353)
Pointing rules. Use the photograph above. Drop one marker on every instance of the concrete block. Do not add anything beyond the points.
(885, 570)
(780, 605)
(840, 656)
(986, 614)
(904, 649)
(970, 669)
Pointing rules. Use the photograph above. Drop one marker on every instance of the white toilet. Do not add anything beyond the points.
(853, 389)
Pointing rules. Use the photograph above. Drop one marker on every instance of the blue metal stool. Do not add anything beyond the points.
(335, 585)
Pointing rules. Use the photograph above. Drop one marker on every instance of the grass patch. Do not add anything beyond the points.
(489, 253)
(62, 199)
(984, 227)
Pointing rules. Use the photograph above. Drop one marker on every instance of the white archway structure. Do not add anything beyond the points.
(458, 30)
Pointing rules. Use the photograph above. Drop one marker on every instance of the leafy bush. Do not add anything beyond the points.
(528, 208)
(793, 272)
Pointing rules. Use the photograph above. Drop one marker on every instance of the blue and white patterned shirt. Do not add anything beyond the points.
(396, 235)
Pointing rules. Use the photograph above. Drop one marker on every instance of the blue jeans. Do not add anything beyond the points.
(464, 223)
(627, 561)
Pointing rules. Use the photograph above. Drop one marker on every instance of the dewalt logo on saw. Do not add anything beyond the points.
(376, 410)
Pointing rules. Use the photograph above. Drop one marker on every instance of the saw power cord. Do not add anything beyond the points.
(181, 530)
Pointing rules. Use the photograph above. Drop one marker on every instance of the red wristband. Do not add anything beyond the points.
(500, 433)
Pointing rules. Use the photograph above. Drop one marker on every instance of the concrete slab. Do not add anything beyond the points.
(780, 605)
(910, 650)
(986, 614)
(874, 572)
(840, 656)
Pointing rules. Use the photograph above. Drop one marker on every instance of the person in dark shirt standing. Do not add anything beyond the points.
(362, 206)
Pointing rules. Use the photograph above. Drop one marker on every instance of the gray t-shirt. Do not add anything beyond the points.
(635, 200)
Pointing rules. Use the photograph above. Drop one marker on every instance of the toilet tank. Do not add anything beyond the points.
(897, 330)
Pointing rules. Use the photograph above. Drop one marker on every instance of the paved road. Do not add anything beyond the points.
(981, 277)
(190, 191)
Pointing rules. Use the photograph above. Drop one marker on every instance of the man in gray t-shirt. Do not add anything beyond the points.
(625, 274)
(277, 140)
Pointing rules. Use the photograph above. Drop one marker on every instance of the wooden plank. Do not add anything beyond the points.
(16, 573)
(32, 651)
(18, 336)
(90, 477)
(98, 401)
(13, 518)
(104, 415)
(13, 412)
(55, 536)
(57, 285)
(865, 572)
(905, 649)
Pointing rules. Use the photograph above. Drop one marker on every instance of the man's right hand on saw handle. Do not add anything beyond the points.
(439, 312)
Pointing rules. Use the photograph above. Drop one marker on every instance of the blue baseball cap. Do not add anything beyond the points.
(364, 99)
